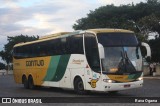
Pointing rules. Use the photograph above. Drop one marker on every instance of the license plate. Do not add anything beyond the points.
(126, 86)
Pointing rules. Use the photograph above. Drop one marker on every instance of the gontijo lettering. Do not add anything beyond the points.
(35, 63)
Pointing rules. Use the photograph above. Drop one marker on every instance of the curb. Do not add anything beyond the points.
(151, 77)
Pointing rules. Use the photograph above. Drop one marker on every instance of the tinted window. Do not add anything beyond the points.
(60, 46)
(92, 54)
(76, 44)
(117, 39)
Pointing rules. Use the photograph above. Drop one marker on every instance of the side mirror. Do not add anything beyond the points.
(147, 48)
(101, 51)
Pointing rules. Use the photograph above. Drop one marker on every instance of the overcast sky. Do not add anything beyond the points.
(43, 17)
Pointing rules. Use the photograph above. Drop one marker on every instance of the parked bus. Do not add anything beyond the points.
(90, 60)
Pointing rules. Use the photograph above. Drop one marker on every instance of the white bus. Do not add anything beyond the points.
(90, 60)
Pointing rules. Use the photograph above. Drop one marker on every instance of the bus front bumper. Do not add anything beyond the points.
(122, 86)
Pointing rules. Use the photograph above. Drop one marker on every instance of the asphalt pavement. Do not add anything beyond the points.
(151, 89)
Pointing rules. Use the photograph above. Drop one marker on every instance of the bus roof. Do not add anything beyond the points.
(109, 30)
(54, 35)
(65, 34)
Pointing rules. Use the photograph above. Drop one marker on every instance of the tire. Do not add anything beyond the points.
(79, 86)
(31, 83)
(25, 82)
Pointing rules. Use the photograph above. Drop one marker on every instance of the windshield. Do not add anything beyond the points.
(122, 54)
(122, 60)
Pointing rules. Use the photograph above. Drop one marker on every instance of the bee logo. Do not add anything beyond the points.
(93, 83)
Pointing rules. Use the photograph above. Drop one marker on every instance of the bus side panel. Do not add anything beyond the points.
(56, 70)
(18, 70)
(64, 69)
(66, 80)
(79, 67)
(36, 67)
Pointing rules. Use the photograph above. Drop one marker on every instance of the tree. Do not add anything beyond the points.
(6, 54)
(123, 16)
(155, 44)
(151, 23)
(2, 66)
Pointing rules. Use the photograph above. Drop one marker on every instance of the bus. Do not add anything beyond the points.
(106, 60)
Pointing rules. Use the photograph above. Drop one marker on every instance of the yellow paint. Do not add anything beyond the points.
(37, 72)
(120, 78)
(108, 30)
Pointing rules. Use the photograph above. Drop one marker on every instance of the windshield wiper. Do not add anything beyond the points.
(129, 65)
(125, 66)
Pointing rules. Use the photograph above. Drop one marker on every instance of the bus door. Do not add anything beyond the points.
(92, 55)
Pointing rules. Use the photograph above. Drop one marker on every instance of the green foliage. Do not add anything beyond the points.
(2, 66)
(6, 54)
(108, 16)
(151, 23)
(123, 16)
(155, 44)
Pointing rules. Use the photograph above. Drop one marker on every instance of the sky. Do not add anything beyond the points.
(43, 17)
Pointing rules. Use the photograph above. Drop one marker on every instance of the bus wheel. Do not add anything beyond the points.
(31, 83)
(79, 87)
(25, 82)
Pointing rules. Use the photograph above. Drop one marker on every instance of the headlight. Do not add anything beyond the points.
(108, 81)
(140, 78)
(113, 70)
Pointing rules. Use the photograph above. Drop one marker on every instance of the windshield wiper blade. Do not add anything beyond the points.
(125, 65)
(121, 65)
(129, 65)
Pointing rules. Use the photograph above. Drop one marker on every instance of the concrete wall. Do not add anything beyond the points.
(158, 70)
(4, 72)
(146, 70)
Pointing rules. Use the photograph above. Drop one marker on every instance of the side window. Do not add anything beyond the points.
(63, 46)
(16, 52)
(59, 46)
(21, 52)
(92, 54)
(76, 44)
(34, 49)
(53, 47)
(68, 46)
(26, 51)
(50, 48)
(42, 49)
